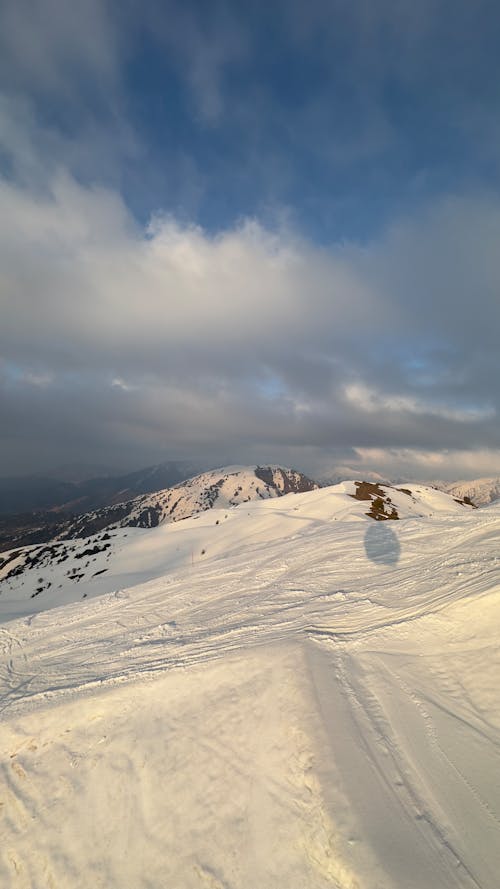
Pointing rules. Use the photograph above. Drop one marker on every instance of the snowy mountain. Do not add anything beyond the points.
(140, 545)
(226, 487)
(90, 540)
(301, 691)
(481, 490)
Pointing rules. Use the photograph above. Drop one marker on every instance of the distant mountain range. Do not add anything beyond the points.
(35, 510)
(66, 494)
(481, 490)
(161, 502)
(45, 494)
(132, 541)
(76, 552)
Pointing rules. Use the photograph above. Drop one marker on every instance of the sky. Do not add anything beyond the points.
(249, 233)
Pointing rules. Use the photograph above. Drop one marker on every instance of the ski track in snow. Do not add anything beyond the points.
(313, 717)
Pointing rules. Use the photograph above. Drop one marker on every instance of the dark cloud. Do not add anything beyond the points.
(176, 340)
(321, 279)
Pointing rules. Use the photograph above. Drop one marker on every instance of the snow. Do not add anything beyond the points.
(223, 488)
(310, 702)
(481, 490)
(67, 571)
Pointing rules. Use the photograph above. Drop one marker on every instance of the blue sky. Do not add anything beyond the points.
(340, 114)
(343, 156)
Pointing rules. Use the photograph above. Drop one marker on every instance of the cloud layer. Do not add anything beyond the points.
(119, 340)
(250, 233)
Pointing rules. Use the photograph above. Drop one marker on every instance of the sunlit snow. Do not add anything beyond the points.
(282, 694)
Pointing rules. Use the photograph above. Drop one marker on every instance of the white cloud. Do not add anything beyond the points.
(77, 268)
(446, 464)
(177, 339)
(41, 379)
(369, 400)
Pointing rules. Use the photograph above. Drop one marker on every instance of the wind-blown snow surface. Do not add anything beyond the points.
(312, 702)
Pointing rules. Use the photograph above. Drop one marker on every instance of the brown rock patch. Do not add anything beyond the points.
(381, 507)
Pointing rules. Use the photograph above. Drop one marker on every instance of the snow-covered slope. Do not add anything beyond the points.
(481, 490)
(222, 487)
(303, 696)
(35, 578)
(225, 487)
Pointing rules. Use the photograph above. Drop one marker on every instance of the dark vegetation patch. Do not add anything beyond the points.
(92, 551)
(39, 528)
(92, 523)
(42, 556)
(10, 558)
(149, 517)
(28, 530)
(211, 494)
(42, 585)
(15, 572)
(74, 574)
(49, 556)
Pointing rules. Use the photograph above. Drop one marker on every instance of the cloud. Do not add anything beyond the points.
(172, 292)
(292, 321)
(52, 46)
(448, 465)
(341, 113)
(370, 401)
(63, 97)
(205, 49)
(170, 339)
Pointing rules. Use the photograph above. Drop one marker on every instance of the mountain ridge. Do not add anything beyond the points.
(481, 491)
(196, 521)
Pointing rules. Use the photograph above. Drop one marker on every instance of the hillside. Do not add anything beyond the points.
(304, 694)
(223, 488)
(481, 491)
(124, 553)
(81, 557)
(228, 486)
